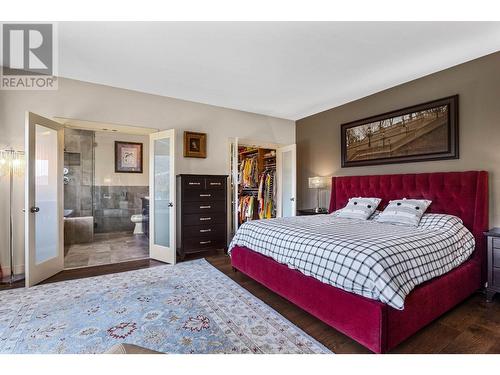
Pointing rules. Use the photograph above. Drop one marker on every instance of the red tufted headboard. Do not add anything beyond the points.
(463, 194)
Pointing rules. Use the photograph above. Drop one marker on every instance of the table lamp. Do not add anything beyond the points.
(318, 183)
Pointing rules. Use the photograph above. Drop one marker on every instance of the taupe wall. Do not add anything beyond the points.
(88, 101)
(478, 84)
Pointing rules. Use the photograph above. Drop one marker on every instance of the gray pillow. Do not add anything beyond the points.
(359, 208)
(404, 211)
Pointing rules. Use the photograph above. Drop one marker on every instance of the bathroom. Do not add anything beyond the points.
(106, 192)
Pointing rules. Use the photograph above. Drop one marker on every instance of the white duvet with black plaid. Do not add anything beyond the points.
(375, 260)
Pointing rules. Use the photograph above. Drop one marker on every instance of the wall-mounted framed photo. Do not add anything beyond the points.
(128, 157)
(195, 145)
(427, 131)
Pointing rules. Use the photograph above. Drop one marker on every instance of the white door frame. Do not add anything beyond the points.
(36, 273)
(159, 252)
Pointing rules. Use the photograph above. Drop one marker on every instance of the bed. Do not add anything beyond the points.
(378, 325)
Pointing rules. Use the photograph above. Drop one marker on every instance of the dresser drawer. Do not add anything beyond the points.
(194, 183)
(204, 195)
(204, 207)
(213, 183)
(200, 244)
(204, 219)
(496, 257)
(496, 243)
(205, 230)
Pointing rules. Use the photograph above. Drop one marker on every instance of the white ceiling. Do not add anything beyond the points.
(283, 69)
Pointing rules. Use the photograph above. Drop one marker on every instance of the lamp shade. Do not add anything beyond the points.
(318, 182)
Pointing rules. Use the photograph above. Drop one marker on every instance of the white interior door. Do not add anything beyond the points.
(286, 180)
(234, 186)
(44, 221)
(162, 196)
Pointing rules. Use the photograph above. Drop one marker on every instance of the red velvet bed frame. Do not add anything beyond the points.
(373, 324)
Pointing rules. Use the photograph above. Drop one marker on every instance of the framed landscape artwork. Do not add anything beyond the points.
(195, 145)
(128, 157)
(423, 132)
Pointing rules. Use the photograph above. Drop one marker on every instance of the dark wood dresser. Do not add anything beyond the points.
(201, 213)
(493, 237)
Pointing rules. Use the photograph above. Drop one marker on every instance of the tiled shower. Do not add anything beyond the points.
(91, 209)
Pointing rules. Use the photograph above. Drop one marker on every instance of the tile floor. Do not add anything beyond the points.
(107, 248)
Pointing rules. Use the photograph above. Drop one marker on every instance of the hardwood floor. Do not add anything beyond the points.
(471, 327)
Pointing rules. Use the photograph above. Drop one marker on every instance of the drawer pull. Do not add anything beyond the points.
(216, 183)
(193, 183)
(205, 206)
(205, 242)
(205, 195)
(205, 218)
(205, 230)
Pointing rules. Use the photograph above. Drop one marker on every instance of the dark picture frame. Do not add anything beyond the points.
(423, 132)
(195, 145)
(128, 157)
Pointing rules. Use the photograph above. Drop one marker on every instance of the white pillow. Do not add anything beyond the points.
(404, 211)
(359, 208)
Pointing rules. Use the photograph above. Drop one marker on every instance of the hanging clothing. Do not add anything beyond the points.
(246, 208)
(248, 176)
(267, 194)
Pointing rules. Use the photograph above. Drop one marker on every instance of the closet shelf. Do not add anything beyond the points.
(249, 152)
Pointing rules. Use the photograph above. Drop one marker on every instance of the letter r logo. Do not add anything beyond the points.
(27, 49)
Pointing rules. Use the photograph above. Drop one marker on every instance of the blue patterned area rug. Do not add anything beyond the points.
(188, 308)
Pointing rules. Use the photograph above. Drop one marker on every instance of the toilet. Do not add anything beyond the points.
(138, 220)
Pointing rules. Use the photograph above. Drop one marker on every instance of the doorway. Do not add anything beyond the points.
(263, 179)
(105, 210)
(96, 194)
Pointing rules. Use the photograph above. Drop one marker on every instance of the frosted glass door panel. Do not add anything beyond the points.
(162, 196)
(162, 192)
(46, 194)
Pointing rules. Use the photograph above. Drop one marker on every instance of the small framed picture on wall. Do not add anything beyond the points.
(195, 145)
(128, 157)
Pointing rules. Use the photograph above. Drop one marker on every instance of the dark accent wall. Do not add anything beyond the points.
(477, 83)
(79, 160)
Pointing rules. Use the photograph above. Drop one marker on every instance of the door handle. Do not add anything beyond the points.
(34, 209)
(292, 199)
(170, 204)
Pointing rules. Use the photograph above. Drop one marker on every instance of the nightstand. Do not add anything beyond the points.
(493, 237)
(310, 211)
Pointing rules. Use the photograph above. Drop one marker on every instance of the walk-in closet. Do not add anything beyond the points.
(262, 181)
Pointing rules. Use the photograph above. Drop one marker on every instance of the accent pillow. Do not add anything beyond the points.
(359, 208)
(404, 211)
